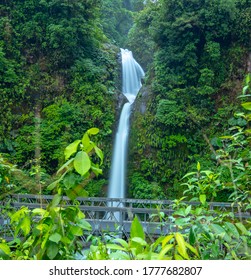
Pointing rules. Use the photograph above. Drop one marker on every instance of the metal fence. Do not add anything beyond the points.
(114, 215)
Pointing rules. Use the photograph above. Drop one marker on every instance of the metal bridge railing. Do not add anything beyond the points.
(114, 214)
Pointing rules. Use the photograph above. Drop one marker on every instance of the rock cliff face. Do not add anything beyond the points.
(249, 63)
(142, 100)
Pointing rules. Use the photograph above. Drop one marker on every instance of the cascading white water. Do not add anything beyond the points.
(132, 73)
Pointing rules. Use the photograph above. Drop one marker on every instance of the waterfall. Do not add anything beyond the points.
(132, 73)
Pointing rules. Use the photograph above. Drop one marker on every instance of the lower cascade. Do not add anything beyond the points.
(132, 73)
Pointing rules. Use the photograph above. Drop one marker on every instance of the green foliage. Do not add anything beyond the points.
(140, 188)
(14, 180)
(79, 161)
(170, 113)
(55, 57)
(216, 234)
(96, 187)
(232, 153)
(116, 20)
(140, 35)
(203, 185)
(52, 233)
(207, 237)
(196, 230)
(6, 184)
(195, 56)
(52, 55)
(168, 247)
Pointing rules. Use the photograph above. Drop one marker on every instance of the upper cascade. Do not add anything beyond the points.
(132, 73)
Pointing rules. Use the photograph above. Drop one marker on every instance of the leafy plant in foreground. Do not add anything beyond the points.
(53, 233)
(172, 246)
(78, 166)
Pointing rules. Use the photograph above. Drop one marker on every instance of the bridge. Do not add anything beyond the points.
(115, 215)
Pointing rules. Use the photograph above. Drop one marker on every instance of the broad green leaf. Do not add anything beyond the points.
(162, 253)
(248, 117)
(56, 200)
(99, 153)
(182, 221)
(68, 164)
(198, 211)
(227, 238)
(52, 250)
(122, 242)
(227, 137)
(82, 163)
(93, 131)
(39, 211)
(208, 173)
(44, 244)
(84, 225)
(188, 210)
(119, 255)
(137, 229)
(248, 131)
(192, 236)
(157, 242)
(53, 185)
(246, 105)
(182, 252)
(216, 142)
(178, 257)
(244, 90)
(26, 225)
(232, 229)
(139, 241)
(233, 253)
(42, 227)
(66, 240)
(180, 212)
(220, 231)
(71, 180)
(203, 199)
(77, 231)
(242, 228)
(147, 256)
(192, 249)
(86, 140)
(55, 237)
(90, 147)
(97, 171)
(22, 212)
(181, 245)
(189, 174)
(167, 239)
(115, 247)
(248, 78)
(215, 250)
(71, 149)
(15, 241)
(80, 214)
(198, 166)
(5, 248)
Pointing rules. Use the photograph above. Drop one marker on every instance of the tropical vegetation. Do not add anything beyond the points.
(60, 96)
